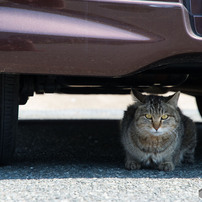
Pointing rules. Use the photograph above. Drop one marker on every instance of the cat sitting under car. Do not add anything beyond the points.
(156, 134)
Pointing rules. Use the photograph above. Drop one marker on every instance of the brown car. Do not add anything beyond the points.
(95, 46)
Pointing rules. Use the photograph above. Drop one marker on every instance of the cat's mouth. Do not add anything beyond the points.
(158, 132)
(153, 132)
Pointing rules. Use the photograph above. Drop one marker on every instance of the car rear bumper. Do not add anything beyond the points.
(93, 38)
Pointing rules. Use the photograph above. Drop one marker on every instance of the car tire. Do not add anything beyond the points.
(9, 87)
(199, 104)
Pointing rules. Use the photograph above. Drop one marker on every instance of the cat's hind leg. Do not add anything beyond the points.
(189, 141)
(188, 156)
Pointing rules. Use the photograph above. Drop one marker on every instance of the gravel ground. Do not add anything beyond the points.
(82, 160)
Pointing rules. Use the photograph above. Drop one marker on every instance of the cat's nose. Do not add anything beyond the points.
(156, 125)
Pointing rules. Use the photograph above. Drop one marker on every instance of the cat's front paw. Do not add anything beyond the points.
(132, 165)
(166, 166)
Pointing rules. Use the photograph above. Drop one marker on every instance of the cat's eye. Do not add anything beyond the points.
(148, 116)
(164, 117)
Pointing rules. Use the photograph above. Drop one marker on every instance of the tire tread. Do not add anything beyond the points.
(8, 115)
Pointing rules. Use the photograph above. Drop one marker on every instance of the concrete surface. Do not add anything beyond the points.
(58, 106)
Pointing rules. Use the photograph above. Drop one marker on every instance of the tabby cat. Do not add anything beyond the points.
(156, 134)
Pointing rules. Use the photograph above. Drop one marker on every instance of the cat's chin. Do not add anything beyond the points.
(157, 133)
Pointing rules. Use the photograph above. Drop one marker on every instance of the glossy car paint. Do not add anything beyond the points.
(92, 38)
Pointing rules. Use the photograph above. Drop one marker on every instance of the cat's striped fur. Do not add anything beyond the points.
(156, 142)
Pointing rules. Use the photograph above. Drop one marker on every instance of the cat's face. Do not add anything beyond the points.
(156, 116)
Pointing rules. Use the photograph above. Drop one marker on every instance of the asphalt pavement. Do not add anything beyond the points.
(81, 159)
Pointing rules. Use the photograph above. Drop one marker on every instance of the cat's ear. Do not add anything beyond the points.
(137, 96)
(173, 99)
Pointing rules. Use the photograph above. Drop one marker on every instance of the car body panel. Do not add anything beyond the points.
(92, 38)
